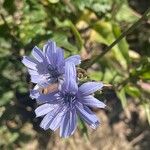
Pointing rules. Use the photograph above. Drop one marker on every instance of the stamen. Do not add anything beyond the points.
(69, 99)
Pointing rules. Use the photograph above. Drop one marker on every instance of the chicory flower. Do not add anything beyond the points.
(63, 108)
(48, 66)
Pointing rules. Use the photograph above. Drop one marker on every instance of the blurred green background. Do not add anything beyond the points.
(84, 27)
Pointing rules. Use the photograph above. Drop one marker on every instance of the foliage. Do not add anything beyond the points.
(84, 27)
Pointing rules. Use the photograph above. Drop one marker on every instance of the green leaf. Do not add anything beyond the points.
(106, 33)
(53, 1)
(103, 8)
(132, 91)
(6, 97)
(147, 111)
(69, 24)
(125, 13)
(13, 137)
(81, 4)
(62, 40)
(145, 75)
(142, 71)
(122, 45)
(7, 136)
(121, 95)
(95, 75)
(77, 36)
(32, 25)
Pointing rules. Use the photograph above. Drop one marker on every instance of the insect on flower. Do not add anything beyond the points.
(49, 89)
(81, 73)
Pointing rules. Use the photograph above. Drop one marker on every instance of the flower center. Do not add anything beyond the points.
(53, 71)
(69, 99)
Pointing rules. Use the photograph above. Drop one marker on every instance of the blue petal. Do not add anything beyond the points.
(92, 102)
(90, 87)
(70, 84)
(40, 79)
(60, 61)
(56, 121)
(38, 54)
(33, 72)
(44, 109)
(50, 49)
(33, 64)
(29, 62)
(48, 118)
(87, 115)
(53, 54)
(50, 98)
(35, 78)
(69, 123)
(35, 92)
(76, 59)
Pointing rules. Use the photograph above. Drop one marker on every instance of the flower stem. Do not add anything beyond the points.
(125, 33)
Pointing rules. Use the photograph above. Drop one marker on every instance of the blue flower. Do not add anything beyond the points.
(48, 66)
(63, 109)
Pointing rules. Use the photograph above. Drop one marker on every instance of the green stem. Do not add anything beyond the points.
(125, 33)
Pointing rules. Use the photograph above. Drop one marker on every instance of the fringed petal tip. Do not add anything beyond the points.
(51, 42)
(29, 62)
(34, 93)
(43, 109)
(38, 54)
(95, 125)
(22, 59)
